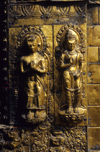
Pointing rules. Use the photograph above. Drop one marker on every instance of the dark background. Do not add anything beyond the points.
(4, 84)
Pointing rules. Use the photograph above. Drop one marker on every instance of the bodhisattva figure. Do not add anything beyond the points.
(71, 64)
(32, 67)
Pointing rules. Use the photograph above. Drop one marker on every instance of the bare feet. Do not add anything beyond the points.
(70, 110)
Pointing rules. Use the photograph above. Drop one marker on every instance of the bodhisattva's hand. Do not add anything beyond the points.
(33, 65)
(72, 61)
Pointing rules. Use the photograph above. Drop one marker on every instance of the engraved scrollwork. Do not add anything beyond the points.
(71, 40)
(28, 10)
(68, 139)
(80, 9)
(63, 10)
(45, 11)
(15, 10)
(14, 139)
(21, 10)
(38, 139)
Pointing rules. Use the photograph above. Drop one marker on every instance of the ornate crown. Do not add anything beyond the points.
(70, 35)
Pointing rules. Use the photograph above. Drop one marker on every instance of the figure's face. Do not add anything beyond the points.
(71, 44)
(32, 44)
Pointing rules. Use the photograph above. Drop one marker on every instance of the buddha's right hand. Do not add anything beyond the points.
(32, 65)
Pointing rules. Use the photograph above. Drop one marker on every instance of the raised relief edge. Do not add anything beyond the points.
(18, 1)
(94, 1)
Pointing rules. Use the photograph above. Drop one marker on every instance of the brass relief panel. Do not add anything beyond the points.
(45, 13)
(47, 78)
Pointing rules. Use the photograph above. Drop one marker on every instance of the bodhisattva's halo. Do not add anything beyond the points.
(76, 32)
(72, 33)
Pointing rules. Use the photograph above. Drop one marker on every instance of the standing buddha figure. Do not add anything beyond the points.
(32, 67)
(71, 64)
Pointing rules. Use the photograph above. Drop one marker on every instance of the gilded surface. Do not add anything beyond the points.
(32, 68)
(47, 139)
(45, 14)
(50, 107)
(47, 78)
(93, 87)
(35, 86)
(70, 65)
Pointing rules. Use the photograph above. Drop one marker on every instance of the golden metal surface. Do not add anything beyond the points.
(94, 138)
(94, 116)
(65, 71)
(54, 77)
(93, 15)
(46, 14)
(93, 94)
(49, 59)
(70, 65)
(93, 35)
(93, 80)
(94, 73)
(39, 78)
(92, 54)
(32, 67)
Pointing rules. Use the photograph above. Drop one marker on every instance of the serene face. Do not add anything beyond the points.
(71, 44)
(32, 44)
